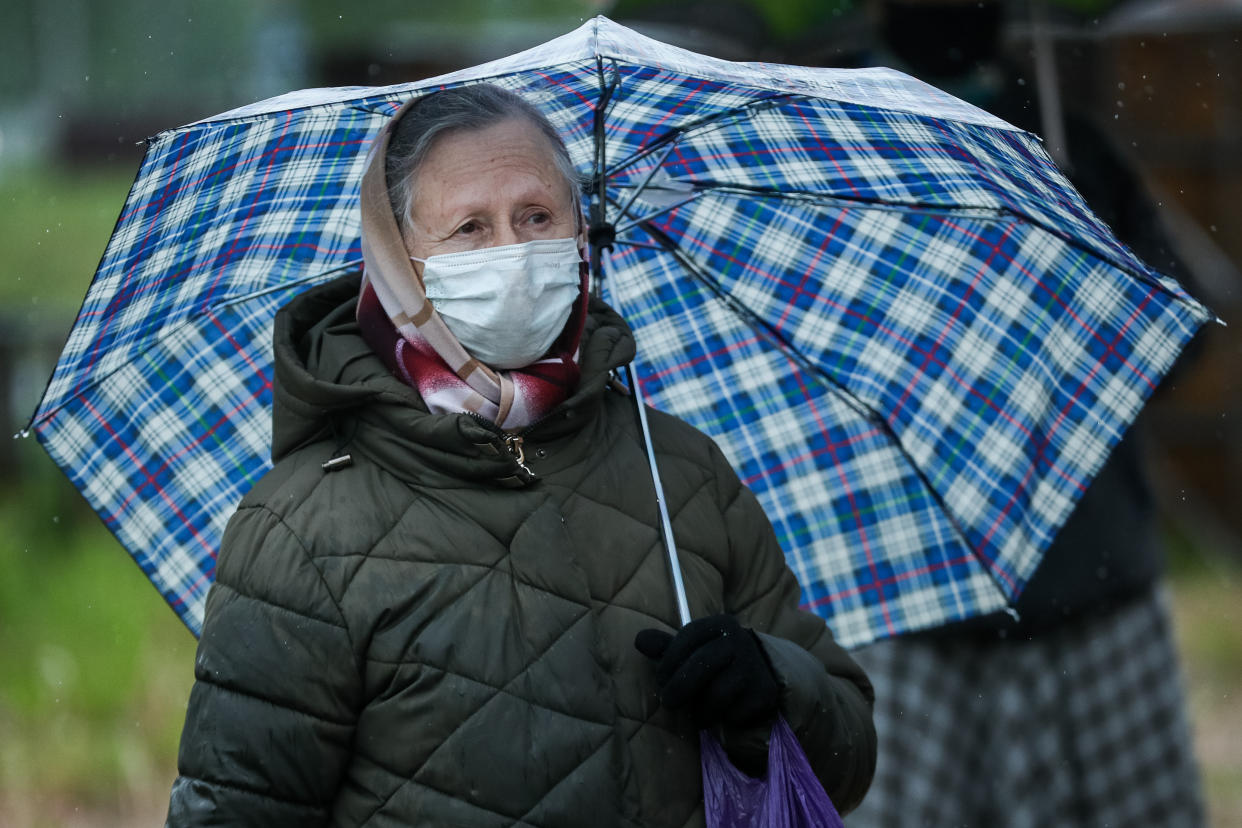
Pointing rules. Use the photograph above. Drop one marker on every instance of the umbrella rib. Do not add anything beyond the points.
(876, 203)
(774, 101)
(624, 209)
(752, 319)
(938, 209)
(635, 222)
(862, 408)
(116, 225)
(717, 118)
(352, 263)
(643, 245)
(601, 234)
(922, 208)
(97, 380)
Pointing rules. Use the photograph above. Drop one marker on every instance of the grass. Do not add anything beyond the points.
(1207, 621)
(57, 221)
(94, 667)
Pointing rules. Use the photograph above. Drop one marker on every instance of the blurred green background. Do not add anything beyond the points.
(95, 669)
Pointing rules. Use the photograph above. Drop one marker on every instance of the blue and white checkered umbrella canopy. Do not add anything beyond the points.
(905, 329)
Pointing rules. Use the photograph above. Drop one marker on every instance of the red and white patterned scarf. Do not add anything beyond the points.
(404, 330)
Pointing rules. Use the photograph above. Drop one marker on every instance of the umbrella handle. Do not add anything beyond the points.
(666, 525)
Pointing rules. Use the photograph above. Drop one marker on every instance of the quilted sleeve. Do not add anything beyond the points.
(825, 696)
(270, 716)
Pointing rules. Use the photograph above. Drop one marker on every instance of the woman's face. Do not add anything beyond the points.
(488, 187)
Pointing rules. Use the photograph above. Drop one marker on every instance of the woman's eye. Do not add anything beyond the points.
(467, 228)
(540, 218)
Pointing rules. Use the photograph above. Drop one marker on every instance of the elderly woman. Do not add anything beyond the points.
(448, 603)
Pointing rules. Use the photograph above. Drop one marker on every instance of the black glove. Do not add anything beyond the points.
(716, 669)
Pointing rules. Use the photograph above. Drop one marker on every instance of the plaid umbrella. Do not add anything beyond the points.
(912, 339)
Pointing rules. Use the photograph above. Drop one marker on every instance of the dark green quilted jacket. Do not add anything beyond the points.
(432, 636)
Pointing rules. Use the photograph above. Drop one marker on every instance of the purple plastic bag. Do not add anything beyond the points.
(788, 796)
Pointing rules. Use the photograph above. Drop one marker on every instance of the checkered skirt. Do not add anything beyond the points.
(1083, 726)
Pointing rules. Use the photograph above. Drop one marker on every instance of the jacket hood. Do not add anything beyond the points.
(329, 385)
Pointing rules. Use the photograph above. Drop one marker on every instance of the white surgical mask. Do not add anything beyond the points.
(506, 305)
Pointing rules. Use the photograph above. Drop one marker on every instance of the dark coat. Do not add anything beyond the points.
(430, 636)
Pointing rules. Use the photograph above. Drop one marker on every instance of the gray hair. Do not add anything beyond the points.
(475, 107)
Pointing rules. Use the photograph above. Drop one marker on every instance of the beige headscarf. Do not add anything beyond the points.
(404, 329)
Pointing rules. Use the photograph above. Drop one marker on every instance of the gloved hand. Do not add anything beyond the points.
(714, 668)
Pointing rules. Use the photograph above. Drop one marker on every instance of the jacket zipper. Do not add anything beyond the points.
(512, 441)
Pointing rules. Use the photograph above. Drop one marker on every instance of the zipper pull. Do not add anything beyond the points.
(341, 462)
(513, 442)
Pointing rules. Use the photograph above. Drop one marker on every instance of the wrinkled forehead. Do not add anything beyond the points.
(497, 149)
(513, 135)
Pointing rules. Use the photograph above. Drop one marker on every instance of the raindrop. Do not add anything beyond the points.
(55, 518)
(1121, 84)
(1212, 227)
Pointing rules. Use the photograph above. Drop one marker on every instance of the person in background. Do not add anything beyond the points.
(448, 602)
(1069, 711)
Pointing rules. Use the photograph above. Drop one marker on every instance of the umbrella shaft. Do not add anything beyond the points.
(666, 526)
